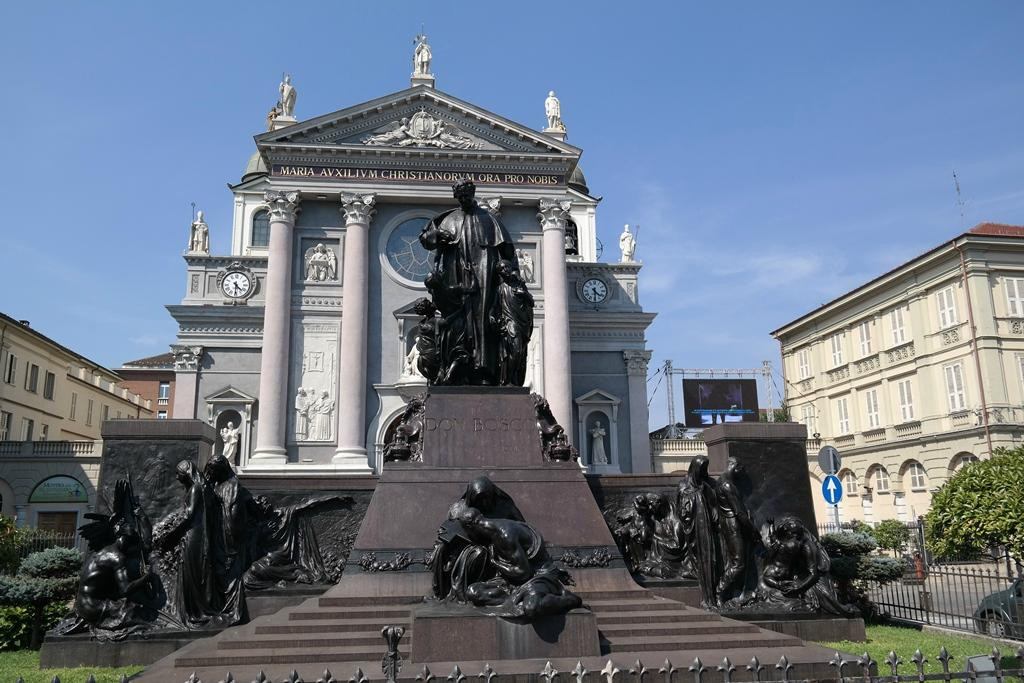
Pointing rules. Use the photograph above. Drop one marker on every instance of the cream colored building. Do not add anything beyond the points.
(914, 373)
(52, 402)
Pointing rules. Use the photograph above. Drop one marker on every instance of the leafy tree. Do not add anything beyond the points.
(892, 534)
(44, 583)
(981, 506)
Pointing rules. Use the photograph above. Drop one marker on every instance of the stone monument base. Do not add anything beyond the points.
(445, 633)
(821, 627)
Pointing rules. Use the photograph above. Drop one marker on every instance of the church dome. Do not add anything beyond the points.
(255, 168)
(578, 181)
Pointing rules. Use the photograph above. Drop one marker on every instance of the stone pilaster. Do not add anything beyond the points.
(639, 438)
(186, 373)
(351, 454)
(557, 359)
(273, 407)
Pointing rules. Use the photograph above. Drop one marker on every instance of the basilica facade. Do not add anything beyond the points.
(299, 345)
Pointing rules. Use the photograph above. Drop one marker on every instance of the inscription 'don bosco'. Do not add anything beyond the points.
(475, 424)
(389, 175)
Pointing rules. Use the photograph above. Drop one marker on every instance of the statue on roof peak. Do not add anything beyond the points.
(288, 93)
(421, 56)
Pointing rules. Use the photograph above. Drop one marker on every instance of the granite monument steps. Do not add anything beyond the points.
(468, 432)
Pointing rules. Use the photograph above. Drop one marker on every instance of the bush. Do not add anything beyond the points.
(892, 534)
(848, 545)
(853, 566)
(8, 545)
(52, 563)
(859, 527)
(16, 623)
(981, 506)
(37, 596)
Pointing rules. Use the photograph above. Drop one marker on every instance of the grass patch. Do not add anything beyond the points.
(25, 663)
(904, 641)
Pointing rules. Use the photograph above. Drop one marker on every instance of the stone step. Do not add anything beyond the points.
(293, 657)
(343, 639)
(333, 626)
(629, 594)
(382, 612)
(652, 617)
(633, 629)
(644, 604)
(703, 641)
(369, 601)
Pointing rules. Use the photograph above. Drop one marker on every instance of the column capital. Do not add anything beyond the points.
(636, 362)
(186, 358)
(553, 213)
(358, 208)
(282, 204)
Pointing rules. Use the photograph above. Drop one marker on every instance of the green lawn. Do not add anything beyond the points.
(883, 639)
(25, 663)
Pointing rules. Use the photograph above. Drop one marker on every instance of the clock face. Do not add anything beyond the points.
(236, 285)
(594, 290)
(405, 254)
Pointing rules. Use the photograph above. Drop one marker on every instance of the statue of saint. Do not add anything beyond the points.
(321, 264)
(229, 437)
(627, 245)
(553, 110)
(469, 243)
(514, 317)
(598, 456)
(525, 264)
(324, 412)
(738, 534)
(199, 236)
(288, 94)
(302, 401)
(421, 57)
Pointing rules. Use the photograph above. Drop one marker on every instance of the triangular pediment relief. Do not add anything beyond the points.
(597, 397)
(407, 311)
(417, 119)
(230, 393)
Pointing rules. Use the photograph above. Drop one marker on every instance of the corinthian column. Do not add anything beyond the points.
(351, 454)
(557, 365)
(639, 438)
(270, 440)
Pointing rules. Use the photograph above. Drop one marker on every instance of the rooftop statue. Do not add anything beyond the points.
(627, 245)
(553, 110)
(485, 311)
(421, 56)
(287, 91)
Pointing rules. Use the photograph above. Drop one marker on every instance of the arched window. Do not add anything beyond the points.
(850, 483)
(963, 460)
(916, 474)
(261, 228)
(881, 480)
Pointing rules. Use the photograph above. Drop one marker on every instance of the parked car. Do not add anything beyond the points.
(1001, 614)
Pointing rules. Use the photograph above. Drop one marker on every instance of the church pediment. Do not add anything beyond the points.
(230, 394)
(414, 120)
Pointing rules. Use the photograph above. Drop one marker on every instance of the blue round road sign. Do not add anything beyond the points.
(832, 489)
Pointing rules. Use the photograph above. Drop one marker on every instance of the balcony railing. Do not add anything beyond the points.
(907, 429)
(874, 435)
(961, 418)
(50, 448)
(673, 446)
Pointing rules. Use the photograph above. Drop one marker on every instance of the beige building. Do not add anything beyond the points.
(914, 373)
(52, 402)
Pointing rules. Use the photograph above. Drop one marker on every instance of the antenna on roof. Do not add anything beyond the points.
(959, 199)
(193, 211)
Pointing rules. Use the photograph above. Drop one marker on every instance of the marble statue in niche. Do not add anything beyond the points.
(199, 236)
(627, 245)
(598, 456)
(229, 437)
(288, 95)
(321, 264)
(421, 56)
(553, 110)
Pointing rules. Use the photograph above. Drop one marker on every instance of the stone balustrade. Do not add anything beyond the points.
(50, 448)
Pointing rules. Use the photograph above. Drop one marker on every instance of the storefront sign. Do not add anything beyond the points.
(59, 489)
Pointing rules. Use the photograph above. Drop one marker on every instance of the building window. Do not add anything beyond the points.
(906, 400)
(48, 383)
(850, 483)
(807, 416)
(74, 405)
(1015, 296)
(963, 461)
(31, 377)
(864, 331)
(881, 480)
(27, 427)
(837, 350)
(955, 387)
(161, 414)
(44, 432)
(106, 412)
(261, 229)
(5, 425)
(947, 308)
(899, 333)
(843, 415)
(12, 368)
(803, 363)
(871, 403)
(88, 413)
(918, 481)
(163, 393)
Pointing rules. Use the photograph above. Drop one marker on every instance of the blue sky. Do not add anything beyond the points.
(774, 154)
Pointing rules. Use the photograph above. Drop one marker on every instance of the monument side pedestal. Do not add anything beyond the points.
(446, 634)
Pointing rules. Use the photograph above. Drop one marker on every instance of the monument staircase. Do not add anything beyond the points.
(387, 577)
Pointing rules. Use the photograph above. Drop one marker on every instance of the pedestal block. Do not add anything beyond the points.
(447, 634)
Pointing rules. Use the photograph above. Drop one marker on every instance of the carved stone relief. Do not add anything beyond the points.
(314, 376)
(421, 130)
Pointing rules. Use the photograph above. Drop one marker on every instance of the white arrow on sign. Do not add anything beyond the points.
(831, 486)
